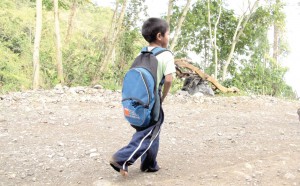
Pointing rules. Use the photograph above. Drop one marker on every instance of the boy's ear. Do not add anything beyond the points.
(158, 36)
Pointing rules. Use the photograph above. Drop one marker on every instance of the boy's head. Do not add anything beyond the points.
(156, 30)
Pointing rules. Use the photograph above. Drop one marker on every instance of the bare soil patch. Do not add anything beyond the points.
(66, 137)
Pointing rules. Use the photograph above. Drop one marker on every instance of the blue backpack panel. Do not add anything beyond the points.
(138, 96)
(139, 89)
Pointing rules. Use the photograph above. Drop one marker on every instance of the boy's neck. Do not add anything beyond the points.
(154, 45)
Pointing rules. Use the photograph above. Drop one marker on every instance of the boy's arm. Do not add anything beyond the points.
(167, 86)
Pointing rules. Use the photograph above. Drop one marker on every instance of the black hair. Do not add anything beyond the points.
(152, 27)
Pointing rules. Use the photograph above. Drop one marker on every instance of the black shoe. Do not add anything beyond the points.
(115, 165)
(150, 169)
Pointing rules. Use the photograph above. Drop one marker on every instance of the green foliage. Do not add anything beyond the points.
(48, 4)
(263, 81)
(15, 38)
(82, 54)
(252, 69)
(176, 85)
(11, 72)
(128, 46)
(195, 33)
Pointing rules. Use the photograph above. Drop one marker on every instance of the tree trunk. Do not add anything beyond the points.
(70, 22)
(107, 41)
(111, 46)
(178, 26)
(277, 34)
(234, 41)
(238, 32)
(184, 64)
(170, 8)
(36, 48)
(58, 44)
(210, 47)
(112, 28)
(213, 40)
(275, 43)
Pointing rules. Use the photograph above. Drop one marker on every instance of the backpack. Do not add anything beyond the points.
(139, 94)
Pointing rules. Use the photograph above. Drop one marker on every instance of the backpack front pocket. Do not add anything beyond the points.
(136, 113)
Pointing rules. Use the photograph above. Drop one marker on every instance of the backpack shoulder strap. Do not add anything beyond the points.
(158, 50)
(144, 50)
(155, 51)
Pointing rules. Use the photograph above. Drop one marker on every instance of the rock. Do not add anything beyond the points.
(60, 143)
(61, 168)
(289, 176)
(98, 87)
(181, 92)
(72, 91)
(2, 119)
(94, 155)
(12, 175)
(47, 168)
(51, 155)
(30, 173)
(58, 89)
(248, 165)
(27, 109)
(194, 84)
(198, 95)
(23, 175)
(92, 150)
(248, 178)
(80, 90)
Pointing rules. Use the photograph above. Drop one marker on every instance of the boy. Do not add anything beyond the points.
(144, 143)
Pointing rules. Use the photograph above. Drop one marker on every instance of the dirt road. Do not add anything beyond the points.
(61, 137)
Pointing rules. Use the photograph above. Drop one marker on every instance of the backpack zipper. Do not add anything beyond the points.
(146, 105)
(147, 88)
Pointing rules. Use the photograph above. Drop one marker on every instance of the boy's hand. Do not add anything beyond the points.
(167, 86)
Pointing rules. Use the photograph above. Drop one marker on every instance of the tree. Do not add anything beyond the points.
(70, 21)
(170, 8)
(60, 73)
(278, 30)
(213, 40)
(130, 41)
(72, 6)
(36, 49)
(178, 26)
(114, 36)
(242, 40)
(243, 20)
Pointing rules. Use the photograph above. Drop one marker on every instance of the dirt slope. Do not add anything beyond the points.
(66, 137)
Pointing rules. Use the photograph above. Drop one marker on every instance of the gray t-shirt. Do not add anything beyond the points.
(165, 65)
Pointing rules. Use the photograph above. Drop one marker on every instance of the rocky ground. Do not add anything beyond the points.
(66, 136)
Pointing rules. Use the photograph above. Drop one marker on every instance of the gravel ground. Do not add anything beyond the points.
(66, 136)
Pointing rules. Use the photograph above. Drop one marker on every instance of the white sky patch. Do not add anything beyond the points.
(292, 61)
(158, 8)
